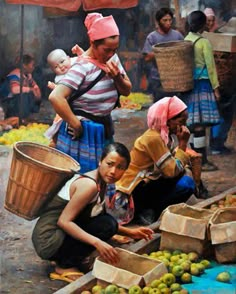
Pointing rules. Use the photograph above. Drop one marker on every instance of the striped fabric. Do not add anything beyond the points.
(102, 97)
(202, 107)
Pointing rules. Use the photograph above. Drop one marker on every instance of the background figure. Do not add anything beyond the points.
(75, 222)
(163, 33)
(87, 124)
(31, 94)
(9, 123)
(211, 24)
(157, 175)
(59, 63)
(201, 101)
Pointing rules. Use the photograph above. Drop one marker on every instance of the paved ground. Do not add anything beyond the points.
(21, 271)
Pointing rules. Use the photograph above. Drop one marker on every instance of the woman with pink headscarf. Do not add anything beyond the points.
(156, 176)
(87, 124)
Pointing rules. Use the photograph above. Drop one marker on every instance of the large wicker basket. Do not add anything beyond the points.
(36, 175)
(175, 62)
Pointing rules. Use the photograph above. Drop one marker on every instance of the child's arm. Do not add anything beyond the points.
(77, 50)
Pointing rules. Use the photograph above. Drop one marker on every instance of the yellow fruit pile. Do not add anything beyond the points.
(33, 132)
(228, 201)
(135, 100)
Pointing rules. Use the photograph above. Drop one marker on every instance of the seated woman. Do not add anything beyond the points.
(75, 223)
(31, 94)
(157, 175)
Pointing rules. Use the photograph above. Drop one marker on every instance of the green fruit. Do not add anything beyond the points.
(85, 292)
(201, 267)
(186, 265)
(177, 270)
(194, 271)
(96, 288)
(174, 258)
(155, 283)
(162, 286)
(165, 291)
(168, 279)
(154, 291)
(112, 289)
(135, 290)
(193, 256)
(175, 292)
(175, 287)
(223, 277)
(206, 263)
(122, 291)
(186, 278)
(176, 252)
(146, 290)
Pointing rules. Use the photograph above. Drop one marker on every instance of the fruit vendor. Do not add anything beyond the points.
(87, 124)
(158, 175)
(75, 222)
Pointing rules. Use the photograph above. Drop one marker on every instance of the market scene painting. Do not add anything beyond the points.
(118, 146)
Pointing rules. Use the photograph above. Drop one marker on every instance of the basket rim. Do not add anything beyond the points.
(179, 42)
(15, 147)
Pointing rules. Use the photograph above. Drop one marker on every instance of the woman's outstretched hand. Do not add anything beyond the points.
(107, 252)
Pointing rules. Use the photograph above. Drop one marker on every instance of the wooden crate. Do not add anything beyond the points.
(221, 41)
(88, 281)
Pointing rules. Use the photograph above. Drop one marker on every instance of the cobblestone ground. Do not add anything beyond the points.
(21, 271)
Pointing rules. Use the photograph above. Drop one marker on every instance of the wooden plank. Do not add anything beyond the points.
(206, 203)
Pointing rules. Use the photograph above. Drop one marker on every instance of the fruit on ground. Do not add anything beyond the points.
(186, 265)
(177, 270)
(206, 263)
(86, 292)
(135, 290)
(201, 267)
(223, 277)
(168, 279)
(194, 270)
(186, 278)
(112, 289)
(175, 287)
(96, 288)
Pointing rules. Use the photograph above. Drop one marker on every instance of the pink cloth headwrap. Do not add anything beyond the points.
(163, 110)
(209, 12)
(100, 27)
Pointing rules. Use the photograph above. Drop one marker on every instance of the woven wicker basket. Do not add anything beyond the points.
(175, 62)
(36, 175)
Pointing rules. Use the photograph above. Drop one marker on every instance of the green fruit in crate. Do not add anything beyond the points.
(122, 291)
(146, 290)
(175, 287)
(177, 270)
(223, 277)
(155, 283)
(186, 278)
(162, 286)
(135, 290)
(86, 292)
(168, 279)
(154, 291)
(165, 291)
(96, 288)
(176, 252)
(112, 289)
(174, 258)
(175, 292)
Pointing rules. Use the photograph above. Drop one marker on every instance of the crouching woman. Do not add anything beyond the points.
(158, 173)
(75, 223)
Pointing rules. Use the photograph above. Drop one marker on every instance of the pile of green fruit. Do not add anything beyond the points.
(181, 267)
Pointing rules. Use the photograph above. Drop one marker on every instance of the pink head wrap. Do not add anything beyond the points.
(163, 110)
(209, 12)
(100, 27)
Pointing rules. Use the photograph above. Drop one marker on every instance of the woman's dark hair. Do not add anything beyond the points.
(162, 12)
(196, 21)
(101, 41)
(120, 148)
